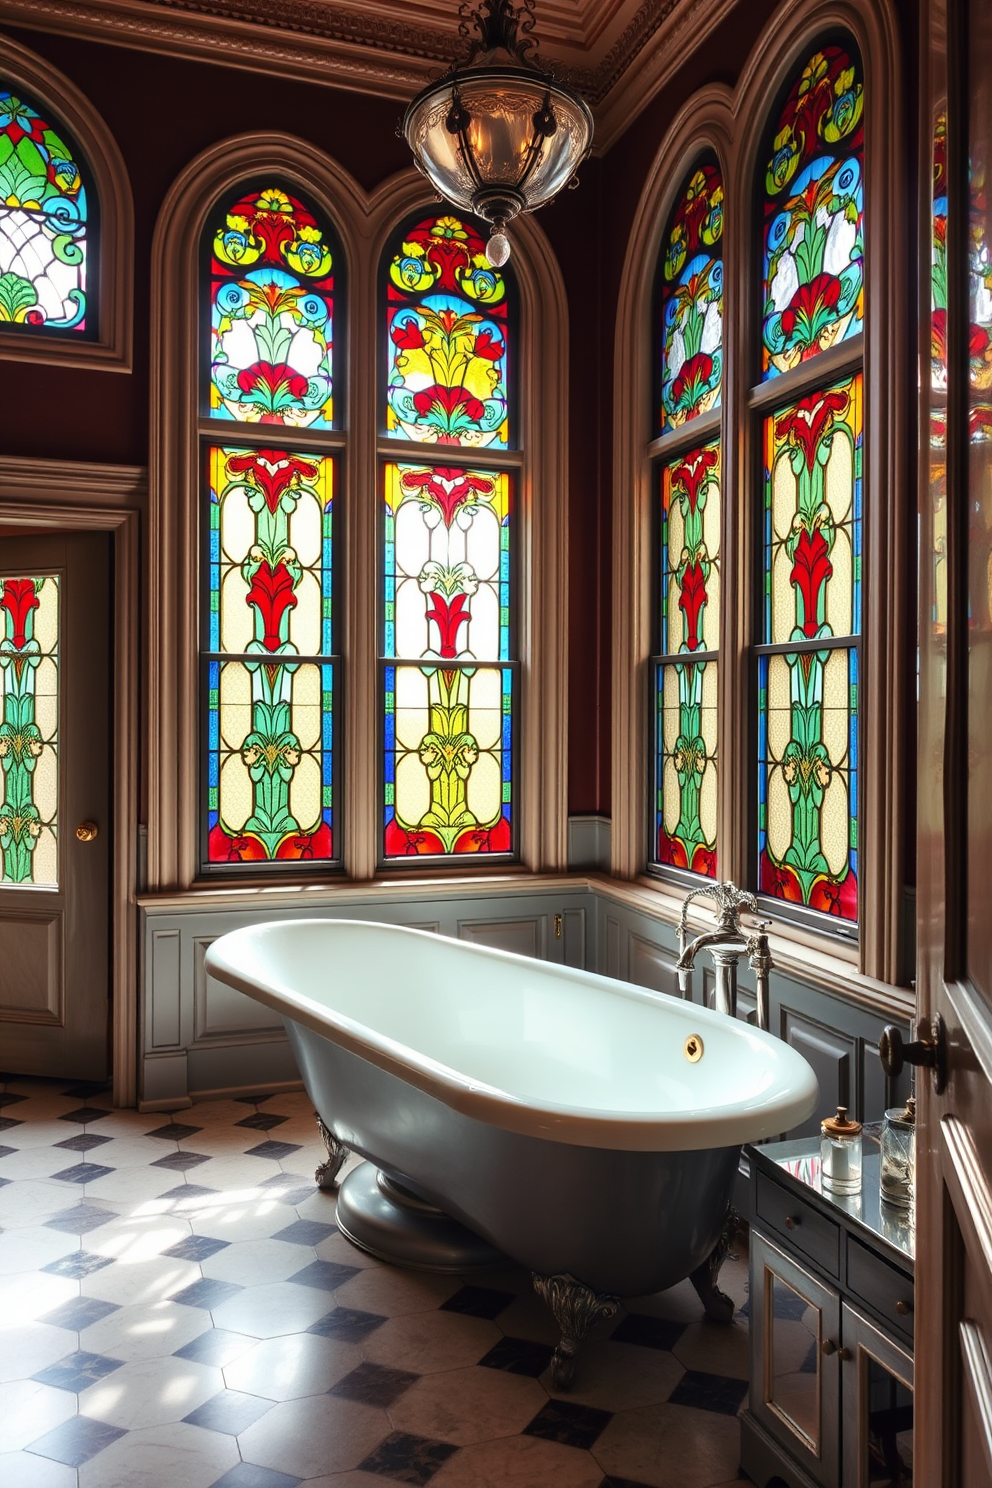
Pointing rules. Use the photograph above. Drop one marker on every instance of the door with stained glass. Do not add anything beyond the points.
(55, 827)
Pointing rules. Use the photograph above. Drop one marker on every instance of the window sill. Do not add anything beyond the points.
(438, 885)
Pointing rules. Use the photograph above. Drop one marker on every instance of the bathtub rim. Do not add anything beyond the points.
(580, 1126)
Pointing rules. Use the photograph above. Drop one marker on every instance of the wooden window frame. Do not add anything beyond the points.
(110, 349)
(733, 124)
(363, 224)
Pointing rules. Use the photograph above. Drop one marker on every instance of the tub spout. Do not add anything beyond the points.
(728, 942)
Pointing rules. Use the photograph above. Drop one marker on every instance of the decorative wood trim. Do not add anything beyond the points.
(733, 125)
(35, 493)
(965, 1172)
(363, 223)
(111, 350)
(704, 123)
(385, 54)
(978, 1378)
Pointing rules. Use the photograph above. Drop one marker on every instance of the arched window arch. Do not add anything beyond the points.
(65, 222)
(812, 295)
(449, 646)
(271, 281)
(528, 453)
(688, 356)
(814, 689)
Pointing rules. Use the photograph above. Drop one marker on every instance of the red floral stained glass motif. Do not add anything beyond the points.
(272, 313)
(808, 698)
(691, 290)
(270, 685)
(447, 330)
(814, 213)
(686, 673)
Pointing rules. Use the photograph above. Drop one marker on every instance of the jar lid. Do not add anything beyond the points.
(839, 1126)
(903, 1118)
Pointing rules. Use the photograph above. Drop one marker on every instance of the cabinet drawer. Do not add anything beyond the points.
(803, 1226)
(881, 1286)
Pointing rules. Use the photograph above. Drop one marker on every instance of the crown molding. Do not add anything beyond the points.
(392, 49)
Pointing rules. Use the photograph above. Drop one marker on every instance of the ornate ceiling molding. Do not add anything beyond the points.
(378, 48)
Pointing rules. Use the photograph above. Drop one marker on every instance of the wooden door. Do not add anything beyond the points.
(954, 1167)
(55, 827)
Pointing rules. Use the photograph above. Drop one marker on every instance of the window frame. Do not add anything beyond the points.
(735, 124)
(363, 223)
(512, 461)
(108, 347)
(214, 432)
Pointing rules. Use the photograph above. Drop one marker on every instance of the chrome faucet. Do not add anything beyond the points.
(728, 942)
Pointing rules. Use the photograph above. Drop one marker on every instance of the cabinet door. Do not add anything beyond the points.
(877, 1386)
(795, 1360)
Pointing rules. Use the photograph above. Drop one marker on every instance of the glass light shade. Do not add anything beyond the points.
(501, 158)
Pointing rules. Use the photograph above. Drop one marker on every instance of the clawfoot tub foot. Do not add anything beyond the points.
(718, 1306)
(327, 1172)
(575, 1309)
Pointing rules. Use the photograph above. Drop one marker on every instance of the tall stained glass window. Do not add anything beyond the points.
(812, 497)
(449, 664)
(686, 457)
(268, 630)
(29, 726)
(46, 222)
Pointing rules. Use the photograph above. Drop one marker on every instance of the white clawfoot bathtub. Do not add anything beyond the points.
(568, 1119)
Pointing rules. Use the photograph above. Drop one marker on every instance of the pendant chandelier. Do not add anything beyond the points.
(498, 135)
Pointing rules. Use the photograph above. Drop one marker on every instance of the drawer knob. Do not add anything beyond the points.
(828, 1347)
(843, 1353)
(792, 1222)
(904, 1308)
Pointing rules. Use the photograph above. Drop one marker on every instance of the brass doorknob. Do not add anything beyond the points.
(86, 831)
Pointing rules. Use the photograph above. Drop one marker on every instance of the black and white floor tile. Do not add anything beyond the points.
(177, 1307)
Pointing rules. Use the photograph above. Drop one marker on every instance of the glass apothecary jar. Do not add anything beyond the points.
(897, 1170)
(840, 1154)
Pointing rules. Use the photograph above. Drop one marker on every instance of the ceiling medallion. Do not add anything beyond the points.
(497, 134)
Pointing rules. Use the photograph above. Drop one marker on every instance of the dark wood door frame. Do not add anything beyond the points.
(66, 495)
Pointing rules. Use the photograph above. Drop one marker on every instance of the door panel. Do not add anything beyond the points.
(55, 758)
(954, 1166)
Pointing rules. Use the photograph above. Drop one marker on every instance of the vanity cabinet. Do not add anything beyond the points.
(831, 1329)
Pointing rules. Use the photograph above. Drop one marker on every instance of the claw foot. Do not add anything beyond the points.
(718, 1306)
(575, 1308)
(326, 1173)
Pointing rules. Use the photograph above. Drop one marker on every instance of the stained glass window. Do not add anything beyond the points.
(691, 301)
(448, 701)
(814, 213)
(29, 720)
(448, 360)
(686, 670)
(269, 656)
(808, 665)
(271, 326)
(45, 220)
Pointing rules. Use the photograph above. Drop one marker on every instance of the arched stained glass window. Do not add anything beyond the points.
(269, 662)
(271, 312)
(448, 359)
(812, 502)
(814, 213)
(687, 483)
(449, 664)
(691, 295)
(46, 222)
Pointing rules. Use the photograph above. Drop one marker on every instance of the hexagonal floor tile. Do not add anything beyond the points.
(317, 1435)
(151, 1392)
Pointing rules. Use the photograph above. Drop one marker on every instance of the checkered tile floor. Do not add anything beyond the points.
(178, 1310)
